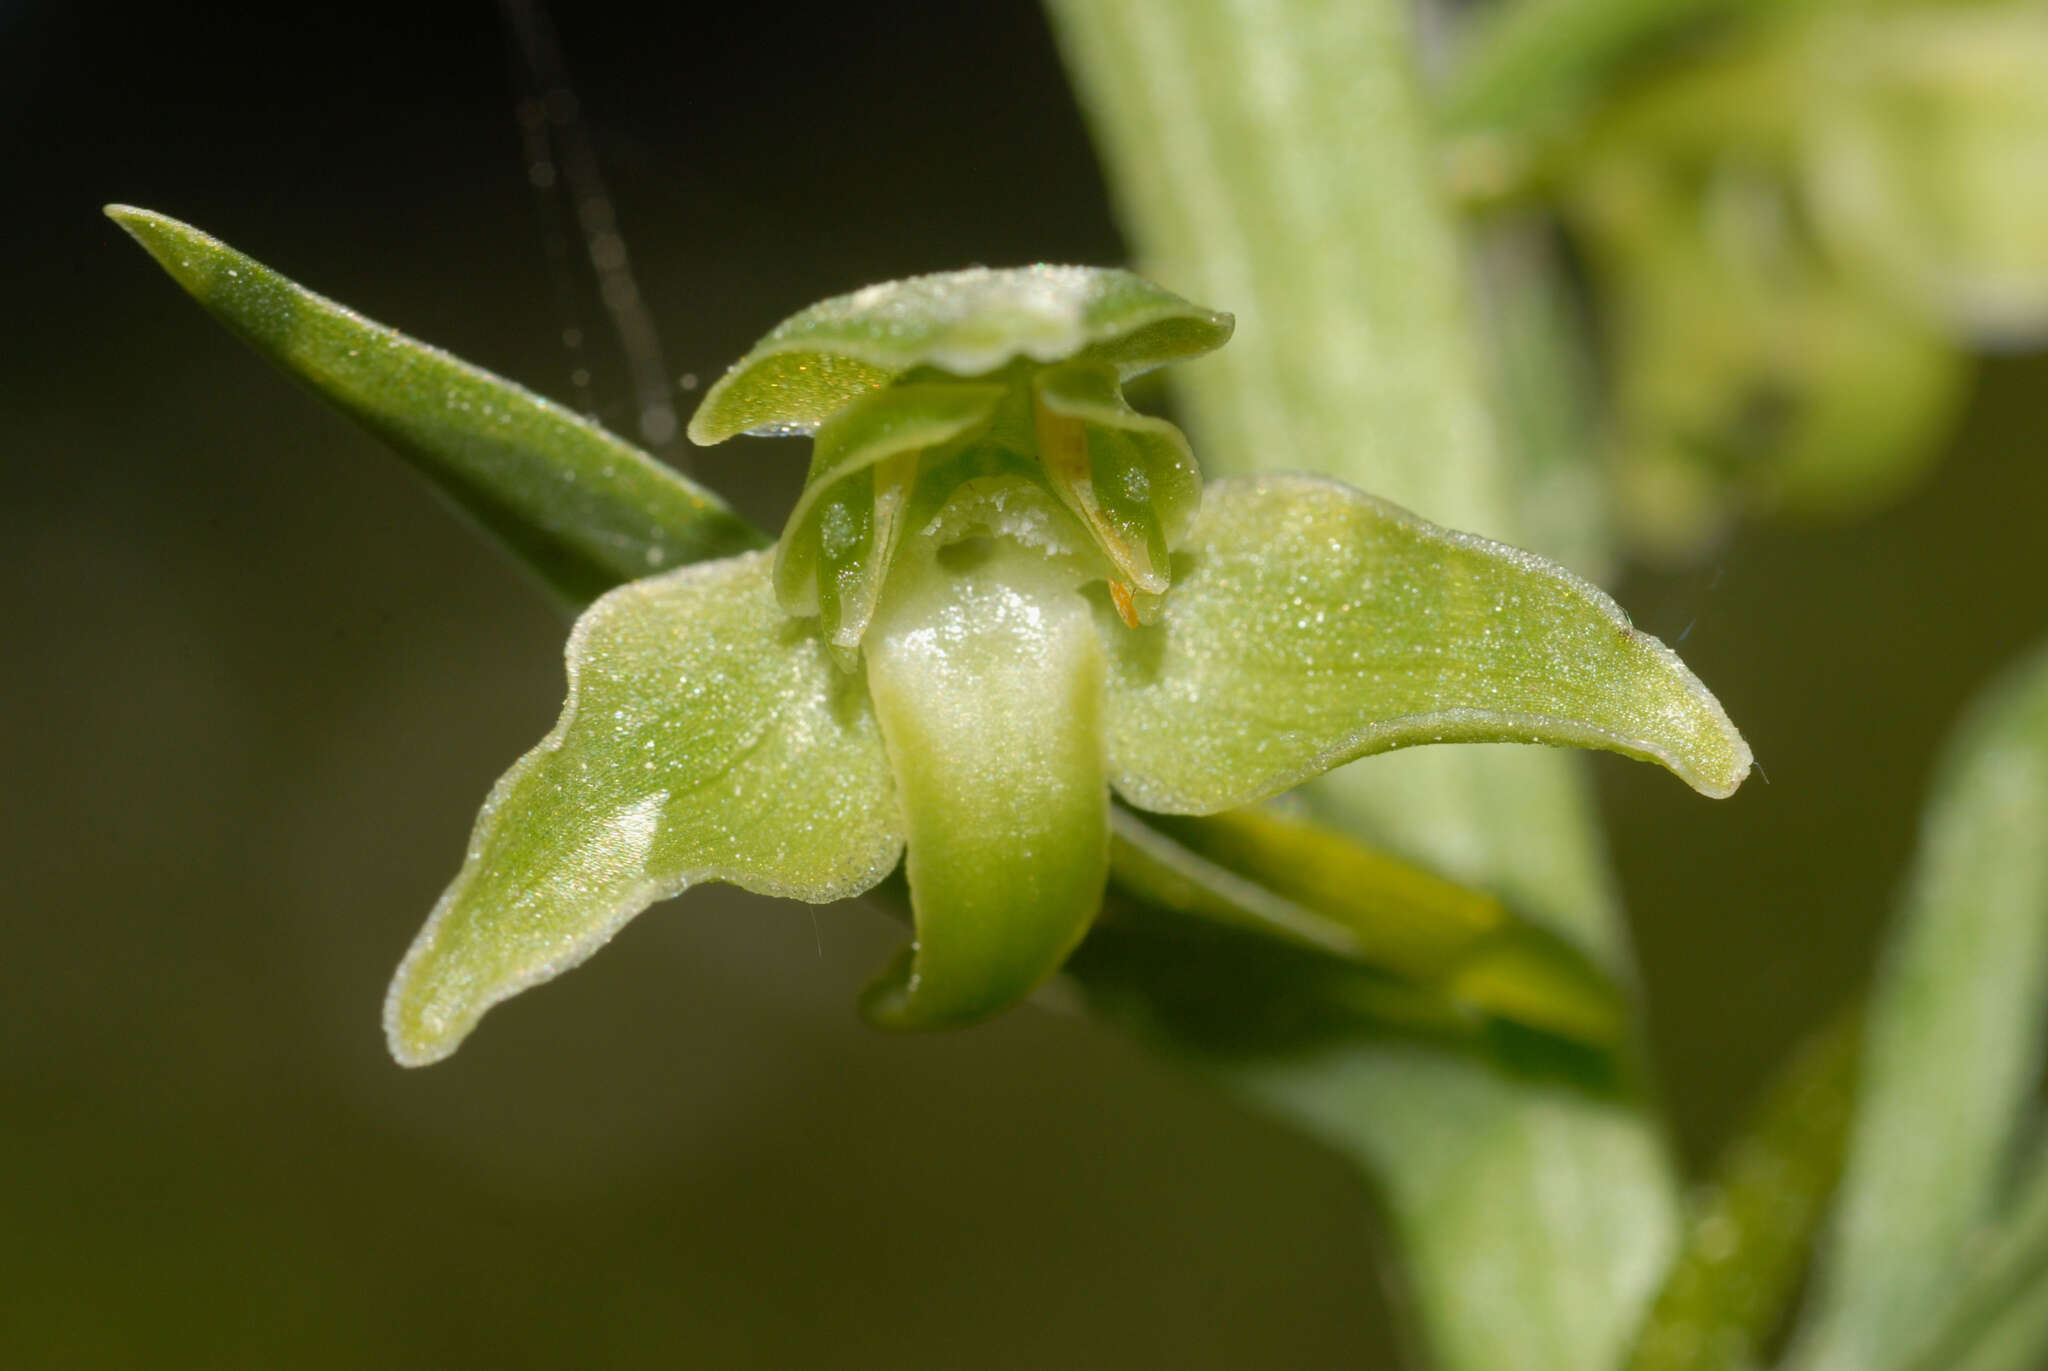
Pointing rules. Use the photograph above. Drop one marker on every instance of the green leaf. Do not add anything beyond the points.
(707, 737)
(966, 323)
(1955, 1041)
(986, 673)
(1997, 1319)
(1315, 624)
(1750, 1231)
(580, 509)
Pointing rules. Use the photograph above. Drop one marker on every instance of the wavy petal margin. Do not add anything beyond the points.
(707, 737)
(821, 359)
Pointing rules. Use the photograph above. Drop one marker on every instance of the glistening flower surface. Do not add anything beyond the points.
(1002, 594)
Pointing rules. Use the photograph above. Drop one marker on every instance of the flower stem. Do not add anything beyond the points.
(1279, 159)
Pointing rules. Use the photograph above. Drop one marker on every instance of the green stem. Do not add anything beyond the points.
(1278, 160)
(1287, 169)
(1280, 163)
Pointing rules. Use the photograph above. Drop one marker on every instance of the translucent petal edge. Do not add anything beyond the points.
(1418, 730)
(602, 929)
(952, 348)
(1455, 725)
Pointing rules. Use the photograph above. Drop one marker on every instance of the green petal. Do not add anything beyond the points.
(1129, 478)
(1314, 624)
(964, 322)
(840, 538)
(987, 674)
(580, 509)
(707, 737)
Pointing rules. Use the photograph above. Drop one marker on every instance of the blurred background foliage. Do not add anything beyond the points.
(1797, 222)
(257, 679)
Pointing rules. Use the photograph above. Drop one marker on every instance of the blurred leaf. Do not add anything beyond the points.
(1955, 1041)
(1749, 1234)
(706, 738)
(1513, 1192)
(1794, 230)
(1315, 624)
(577, 507)
(1762, 380)
(1527, 60)
(1998, 1318)
(1301, 188)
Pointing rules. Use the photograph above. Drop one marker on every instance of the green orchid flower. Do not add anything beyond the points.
(1750, 370)
(1926, 160)
(1798, 233)
(1002, 597)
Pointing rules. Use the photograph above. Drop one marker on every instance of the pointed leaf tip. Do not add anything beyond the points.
(161, 237)
(578, 507)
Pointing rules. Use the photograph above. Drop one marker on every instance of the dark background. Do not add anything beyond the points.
(256, 682)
